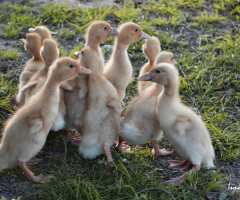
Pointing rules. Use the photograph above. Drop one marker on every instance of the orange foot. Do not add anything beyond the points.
(180, 179)
(157, 151)
(122, 146)
(161, 152)
(109, 166)
(179, 165)
(40, 178)
(30, 175)
(74, 141)
(33, 161)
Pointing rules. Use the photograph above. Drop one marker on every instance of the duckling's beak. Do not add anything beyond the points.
(84, 70)
(145, 36)
(31, 30)
(145, 77)
(114, 31)
(76, 54)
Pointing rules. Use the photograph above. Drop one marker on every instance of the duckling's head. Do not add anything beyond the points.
(49, 51)
(33, 43)
(151, 48)
(89, 58)
(167, 57)
(98, 32)
(163, 73)
(43, 31)
(130, 32)
(66, 68)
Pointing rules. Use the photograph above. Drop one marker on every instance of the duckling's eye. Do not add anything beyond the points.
(82, 52)
(172, 58)
(158, 71)
(105, 28)
(71, 65)
(136, 29)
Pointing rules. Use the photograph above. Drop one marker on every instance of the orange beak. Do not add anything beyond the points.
(76, 54)
(145, 36)
(84, 70)
(145, 77)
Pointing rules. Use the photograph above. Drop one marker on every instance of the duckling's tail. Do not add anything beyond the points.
(3, 160)
(90, 148)
(209, 158)
(130, 132)
(6, 161)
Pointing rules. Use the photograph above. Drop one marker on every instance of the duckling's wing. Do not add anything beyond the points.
(28, 85)
(113, 103)
(181, 125)
(35, 125)
(66, 86)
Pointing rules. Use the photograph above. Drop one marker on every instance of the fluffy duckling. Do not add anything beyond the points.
(165, 57)
(32, 44)
(43, 31)
(49, 54)
(143, 109)
(26, 131)
(102, 116)
(151, 48)
(184, 130)
(162, 57)
(76, 88)
(96, 33)
(119, 70)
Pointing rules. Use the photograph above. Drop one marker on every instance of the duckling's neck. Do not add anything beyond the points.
(51, 84)
(171, 91)
(92, 43)
(151, 61)
(119, 50)
(37, 56)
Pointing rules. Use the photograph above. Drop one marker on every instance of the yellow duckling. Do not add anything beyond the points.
(184, 130)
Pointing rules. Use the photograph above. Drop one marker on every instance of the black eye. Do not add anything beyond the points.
(71, 65)
(136, 29)
(105, 28)
(158, 71)
(82, 52)
(172, 58)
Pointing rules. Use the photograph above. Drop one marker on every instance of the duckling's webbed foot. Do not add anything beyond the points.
(74, 141)
(30, 175)
(180, 165)
(159, 152)
(109, 164)
(33, 161)
(122, 146)
(182, 178)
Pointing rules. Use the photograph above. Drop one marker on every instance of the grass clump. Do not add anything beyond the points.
(85, 17)
(9, 55)
(55, 13)
(128, 13)
(67, 34)
(21, 18)
(7, 89)
(205, 19)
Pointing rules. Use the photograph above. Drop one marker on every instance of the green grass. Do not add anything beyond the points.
(208, 62)
(9, 55)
